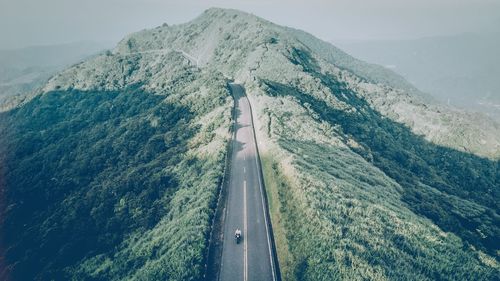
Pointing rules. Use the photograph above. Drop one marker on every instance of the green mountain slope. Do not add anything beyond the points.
(368, 180)
(114, 166)
(114, 184)
(461, 69)
(360, 195)
(26, 69)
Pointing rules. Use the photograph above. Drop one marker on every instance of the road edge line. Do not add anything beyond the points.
(214, 258)
(265, 206)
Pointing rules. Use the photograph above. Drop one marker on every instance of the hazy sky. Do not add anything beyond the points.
(29, 22)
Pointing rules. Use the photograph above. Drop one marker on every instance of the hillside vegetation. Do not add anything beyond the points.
(24, 70)
(369, 179)
(112, 170)
(460, 69)
(114, 185)
(360, 195)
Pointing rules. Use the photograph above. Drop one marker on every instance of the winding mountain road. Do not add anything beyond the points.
(253, 257)
(163, 51)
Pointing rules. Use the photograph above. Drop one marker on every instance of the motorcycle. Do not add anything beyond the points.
(237, 236)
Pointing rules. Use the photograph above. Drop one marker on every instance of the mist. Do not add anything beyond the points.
(233, 148)
(28, 22)
(456, 61)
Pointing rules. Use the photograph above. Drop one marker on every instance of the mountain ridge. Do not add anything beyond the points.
(365, 180)
(459, 69)
(207, 34)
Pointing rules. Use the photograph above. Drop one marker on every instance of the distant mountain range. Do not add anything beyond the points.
(111, 170)
(461, 70)
(23, 70)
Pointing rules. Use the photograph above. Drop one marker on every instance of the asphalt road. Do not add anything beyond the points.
(251, 259)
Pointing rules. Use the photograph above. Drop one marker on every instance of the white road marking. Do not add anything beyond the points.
(244, 170)
(245, 251)
(242, 135)
(262, 198)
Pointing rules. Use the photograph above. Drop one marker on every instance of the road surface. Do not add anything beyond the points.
(252, 258)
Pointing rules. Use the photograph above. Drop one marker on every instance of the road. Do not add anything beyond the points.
(191, 58)
(252, 258)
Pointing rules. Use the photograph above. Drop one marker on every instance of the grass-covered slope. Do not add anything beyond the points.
(371, 72)
(111, 171)
(461, 69)
(24, 70)
(246, 47)
(359, 196)
(114, 185)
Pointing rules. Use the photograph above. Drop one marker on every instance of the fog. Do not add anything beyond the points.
(32, 22)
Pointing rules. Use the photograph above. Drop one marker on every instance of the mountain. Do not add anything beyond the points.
(112, 170)
(461, 69)
(105, 182)
(24, 70)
